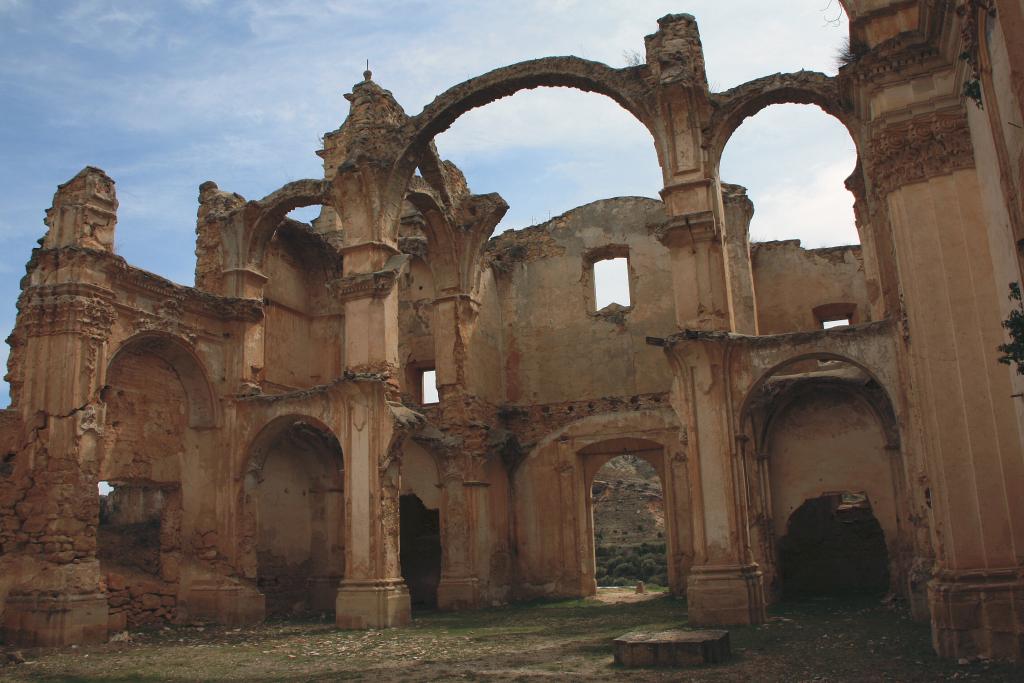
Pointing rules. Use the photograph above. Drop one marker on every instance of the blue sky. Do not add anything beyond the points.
(164, 95)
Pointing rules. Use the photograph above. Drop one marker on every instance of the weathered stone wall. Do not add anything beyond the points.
(792, 282)
(145, 431)
(551, 332)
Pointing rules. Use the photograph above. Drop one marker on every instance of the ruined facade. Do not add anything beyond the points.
(265, 434)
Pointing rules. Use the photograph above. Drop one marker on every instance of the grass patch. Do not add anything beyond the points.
(845, 640)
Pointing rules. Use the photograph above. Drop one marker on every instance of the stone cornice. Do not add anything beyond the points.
(66, 308)
(917, 149)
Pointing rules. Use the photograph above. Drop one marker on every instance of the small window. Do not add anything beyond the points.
(428, 387)
(105, 488)
(611, 282)
(829, 324)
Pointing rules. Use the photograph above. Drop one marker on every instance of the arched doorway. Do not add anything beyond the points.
(628, 505)
(830, 482)
(629, 517)
(294, 491)
(419, 510)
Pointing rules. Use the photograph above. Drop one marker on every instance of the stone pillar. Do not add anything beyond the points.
(677, 509)
(953, 291)
(724, 585)
(698, 269)
(710, 285)
(576, 578)
(65, 316)
(742, 300)
(459, 587)
(373, 593)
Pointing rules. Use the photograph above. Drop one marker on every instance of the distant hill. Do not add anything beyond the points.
(629, 523)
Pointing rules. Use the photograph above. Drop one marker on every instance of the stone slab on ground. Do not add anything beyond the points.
(671, 648)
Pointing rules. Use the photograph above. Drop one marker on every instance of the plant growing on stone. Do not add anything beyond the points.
(1013, 351)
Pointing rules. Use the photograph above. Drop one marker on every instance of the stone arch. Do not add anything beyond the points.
(879, 443)
(442, 246)
(873, 397)
(655, 452)
(750, 395)
(256, 452)
(625, 86)
(734, 106)
(294, 466)
(600, 453)
(268, 213)
(181, 356)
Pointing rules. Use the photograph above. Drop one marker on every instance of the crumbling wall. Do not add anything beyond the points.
(145, 439)
(415, 320)
(792, 282)
(146, 420)
(552, 335)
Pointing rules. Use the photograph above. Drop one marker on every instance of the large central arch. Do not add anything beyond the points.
(626, 87)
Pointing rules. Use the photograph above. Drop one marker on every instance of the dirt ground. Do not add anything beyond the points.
(821, 640)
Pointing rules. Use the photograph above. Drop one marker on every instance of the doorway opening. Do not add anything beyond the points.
(420, 554)
(834, 545)
(629, 524)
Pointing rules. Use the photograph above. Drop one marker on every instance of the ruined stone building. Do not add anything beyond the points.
(271, 452)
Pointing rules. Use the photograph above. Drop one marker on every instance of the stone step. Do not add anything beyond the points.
(671, 648)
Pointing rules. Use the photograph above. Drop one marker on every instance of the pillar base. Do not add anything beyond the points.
(978, 613)
(458, 593)
(47, 621)
(719, 595)
(372, 604)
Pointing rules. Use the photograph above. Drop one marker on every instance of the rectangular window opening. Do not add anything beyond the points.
(611, 282)
(829, 324)
(428, 387)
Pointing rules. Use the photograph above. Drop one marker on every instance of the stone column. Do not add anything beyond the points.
(953, 291)
(710, 285)
(459, 587)
(724, 584)
(698, 267)
(677, 508)
(373, 593)
(58, 363)
(738, 210)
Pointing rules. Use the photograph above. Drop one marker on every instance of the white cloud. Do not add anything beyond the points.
(818, 210)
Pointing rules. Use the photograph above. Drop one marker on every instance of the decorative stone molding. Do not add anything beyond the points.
(921, 148)
(366, 285)
(688, 230)
(67, 309)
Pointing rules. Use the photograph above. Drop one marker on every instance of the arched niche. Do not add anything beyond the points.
(293, 507)
(187, 367)
(820, 426)
(158, 403)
